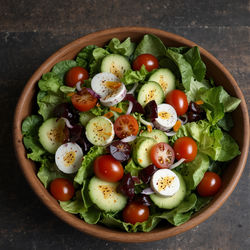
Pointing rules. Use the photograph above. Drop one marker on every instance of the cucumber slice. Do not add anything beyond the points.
(156, 134)
(115, 64)
(100, 131)
(141, 150)
(51, 134)
(104, 195)
(165, 78)
(150, 91)
(173, 201)
(85, 117)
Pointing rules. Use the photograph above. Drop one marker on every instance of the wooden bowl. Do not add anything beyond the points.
(214, 69)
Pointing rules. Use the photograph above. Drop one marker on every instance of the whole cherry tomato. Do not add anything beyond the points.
(62, 189)
(107, 168)
(178, 100)
(150, 62)
(75, 75)
(185, 147)
(209, 185)
(135, 212)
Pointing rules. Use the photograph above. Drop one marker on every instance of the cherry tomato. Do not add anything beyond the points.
(62, 189)
(162, 155)
(148, 60)
(185, 147)
(107, 168)
(75, 75)
(178, 100)
(126, 125)
(209, 185)
(83, 100)
(135, 212)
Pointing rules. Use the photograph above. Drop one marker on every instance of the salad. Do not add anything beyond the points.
(131, 135)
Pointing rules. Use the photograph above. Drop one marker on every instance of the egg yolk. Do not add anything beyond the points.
(165, 182)
(69, 158)
(164, 115)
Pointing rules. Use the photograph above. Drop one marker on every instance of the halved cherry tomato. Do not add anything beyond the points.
(150, 62)
(162, 155)
(83, 100)
(62, 189)
(135, 212)
(178, 100)
(75, 75)
(126, 125)
(209, 185)
(107, 168)
(185, 147)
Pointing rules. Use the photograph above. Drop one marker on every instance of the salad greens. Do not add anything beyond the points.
(215, 145)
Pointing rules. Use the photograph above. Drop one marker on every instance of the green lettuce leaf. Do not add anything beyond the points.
(150, 44)
(85, 56)
(216, 102)
(49, 171)
(74, 206)
(35, 150)
(52, 92)
(47, 102)
(77, 205)
(229, 149)
(170, 64)
(126, 48)
(92, 215)
(201, 202)
(132, 76)
(50, 82)
(132, 168)
(226, 122)
(66, 89)
(31, 124)
(99, 110)
(196, 87)
(86, 169)
(193, 172)
(62, 67)
(193, 57)
(95, 64)
(123, 105)
(180, 50)
(184, 67)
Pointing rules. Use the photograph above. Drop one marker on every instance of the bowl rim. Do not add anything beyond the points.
(95, 230)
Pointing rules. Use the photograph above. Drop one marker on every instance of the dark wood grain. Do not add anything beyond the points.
(30, 31)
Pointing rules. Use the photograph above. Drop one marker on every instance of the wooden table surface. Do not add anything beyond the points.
(30, 31)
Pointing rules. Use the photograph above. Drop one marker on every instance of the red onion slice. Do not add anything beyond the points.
(131, 91)
(93, 93)
(147, 191)
(129, 138)
(130, 107)
(67, 122)
(171, 133)
(184, 120)
(178, 163)
(146, 123)
(78, 86)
